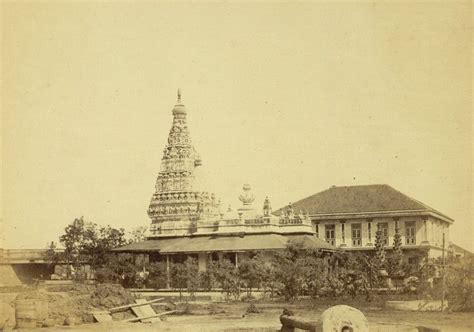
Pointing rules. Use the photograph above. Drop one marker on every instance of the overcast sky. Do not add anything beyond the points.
(289, 98)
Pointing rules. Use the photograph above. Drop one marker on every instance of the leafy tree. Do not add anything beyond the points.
(178, 276)
(157, 275)
(251, 273)
(208, 277)
(73, 241)
(86, 243)
(228, 279)
(192, 275)
(299, 270)
(460, 274)
(118, 269)
(138, 234)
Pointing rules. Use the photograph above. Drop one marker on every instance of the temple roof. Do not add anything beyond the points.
(360, 199)
(235, 242)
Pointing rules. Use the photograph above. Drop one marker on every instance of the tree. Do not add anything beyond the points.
(157, 275)
(395, 258)
(138, 234)
(379, 249)
(250, 272)
(86, 243)
(73, 241)
(228, 279)
(289, 269)
(460, 274)
(192, 275)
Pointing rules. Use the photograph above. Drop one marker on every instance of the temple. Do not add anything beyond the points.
(188, 221)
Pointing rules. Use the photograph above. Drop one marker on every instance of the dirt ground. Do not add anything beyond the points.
(234, 317)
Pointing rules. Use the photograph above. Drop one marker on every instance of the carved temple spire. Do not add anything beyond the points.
(175, 196)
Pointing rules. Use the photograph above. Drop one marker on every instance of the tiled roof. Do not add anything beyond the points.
(224, 243)
(359, 199)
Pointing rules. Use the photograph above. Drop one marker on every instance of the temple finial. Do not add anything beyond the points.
(179, 94)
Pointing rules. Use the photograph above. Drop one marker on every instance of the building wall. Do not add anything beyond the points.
(428, 231)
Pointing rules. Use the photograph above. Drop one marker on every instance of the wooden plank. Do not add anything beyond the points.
(135, 319)
(137, 304)
(102, 316)
(145, 310)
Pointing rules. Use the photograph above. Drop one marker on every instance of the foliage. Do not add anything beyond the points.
(192, 275)
(299, 271)
(157, 275)
(138, 234)
(288, 270)
(86, 243)
(460, 284)
(251, 273)
(379, 249)
(118, 269)
(395, 257)
(227, 277)
(178, 277)
(207, 278)
(185, 276)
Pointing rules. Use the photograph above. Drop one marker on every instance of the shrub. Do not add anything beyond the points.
(460, 284)
(228, 279)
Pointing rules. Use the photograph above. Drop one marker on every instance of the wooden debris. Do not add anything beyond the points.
(135, 319)
(138, 303)
(102, 316)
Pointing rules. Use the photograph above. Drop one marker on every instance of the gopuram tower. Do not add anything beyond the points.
(177, 207)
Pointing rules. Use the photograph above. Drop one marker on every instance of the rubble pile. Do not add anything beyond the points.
(79, 301)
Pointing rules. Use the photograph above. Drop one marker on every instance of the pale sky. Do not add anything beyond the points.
(291, 98)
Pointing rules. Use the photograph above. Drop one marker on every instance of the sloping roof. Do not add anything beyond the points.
(359, 199)
(460, 249)
(224, 243)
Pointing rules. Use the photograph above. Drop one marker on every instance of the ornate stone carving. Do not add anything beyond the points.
(246, 197)
(174, 202)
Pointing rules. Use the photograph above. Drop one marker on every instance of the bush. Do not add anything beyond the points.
(228, 279)
(157, 275)
(460, 284)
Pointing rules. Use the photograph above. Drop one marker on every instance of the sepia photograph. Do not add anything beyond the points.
(254, 166)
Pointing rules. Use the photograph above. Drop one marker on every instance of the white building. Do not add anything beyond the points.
(348, 217)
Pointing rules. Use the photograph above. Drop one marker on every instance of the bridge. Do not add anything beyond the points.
(20, 266)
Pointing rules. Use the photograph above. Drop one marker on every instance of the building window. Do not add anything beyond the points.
(410, 232)
(343, 229)
(383, 228)
(316, 229)
(331, 234)
(356, 235)
(369, 231)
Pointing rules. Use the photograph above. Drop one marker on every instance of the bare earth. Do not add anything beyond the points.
(233, 317)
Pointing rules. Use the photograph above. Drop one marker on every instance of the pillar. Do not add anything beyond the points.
(202, 261)
(425, 232)
(168, 277)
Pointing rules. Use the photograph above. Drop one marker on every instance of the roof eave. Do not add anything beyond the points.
(372, 214)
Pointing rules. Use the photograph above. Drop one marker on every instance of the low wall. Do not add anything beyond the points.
(416, 305)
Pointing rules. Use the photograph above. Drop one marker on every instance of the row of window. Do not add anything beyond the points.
(356, 233)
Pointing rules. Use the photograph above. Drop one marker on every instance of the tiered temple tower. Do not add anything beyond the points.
(177, 207)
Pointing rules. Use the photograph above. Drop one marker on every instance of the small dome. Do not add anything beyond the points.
(179, 107)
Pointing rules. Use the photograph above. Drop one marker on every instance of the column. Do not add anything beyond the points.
(202, 261)
(370, 233)
(343, 233)
(425, 232)
(168, 277)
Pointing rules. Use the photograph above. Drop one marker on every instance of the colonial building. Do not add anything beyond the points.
(348, 217)
(187, 221)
